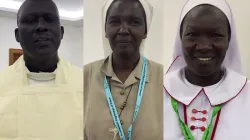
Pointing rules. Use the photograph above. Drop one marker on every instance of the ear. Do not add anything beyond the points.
(62, 32)
(105, 31)
(17, 35)
(144, 36)
(106, 35)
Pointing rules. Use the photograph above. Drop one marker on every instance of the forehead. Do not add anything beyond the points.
(126, 8)
(38, 7)
(206, 15)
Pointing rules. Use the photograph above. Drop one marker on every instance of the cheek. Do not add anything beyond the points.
(26, 34)
(137, 32)
(112, 30)
(25, 37)
(221, 48)
(55, 29)
(187, 47)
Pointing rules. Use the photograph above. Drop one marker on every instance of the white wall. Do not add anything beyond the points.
(71, 46)
(93, 49)
(241, 11)
(171, 18)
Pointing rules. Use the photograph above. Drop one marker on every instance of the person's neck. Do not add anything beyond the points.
(46, 64)
(124, 66)
(203, 81)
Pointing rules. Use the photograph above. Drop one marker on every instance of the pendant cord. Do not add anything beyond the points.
(125, 102)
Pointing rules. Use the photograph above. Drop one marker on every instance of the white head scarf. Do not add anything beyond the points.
(149, 14)
(232, 59)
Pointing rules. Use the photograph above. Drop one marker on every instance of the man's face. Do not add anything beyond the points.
(39, 31)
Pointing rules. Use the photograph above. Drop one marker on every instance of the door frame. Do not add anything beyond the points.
(13, 53)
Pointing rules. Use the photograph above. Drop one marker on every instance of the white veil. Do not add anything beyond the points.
(232, 58)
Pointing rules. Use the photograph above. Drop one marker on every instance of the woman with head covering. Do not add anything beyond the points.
(123, 92)
(206, 93)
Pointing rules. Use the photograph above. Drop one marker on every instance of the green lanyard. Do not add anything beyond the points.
(185, 129)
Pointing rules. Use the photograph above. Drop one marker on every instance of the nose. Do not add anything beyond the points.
(124, 30)
(204, 44)
(41, 26)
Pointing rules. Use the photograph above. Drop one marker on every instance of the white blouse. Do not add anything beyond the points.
(196, 105)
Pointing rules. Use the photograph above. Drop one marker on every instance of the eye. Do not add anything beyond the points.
(51, 19)
(191, 34)
(113, 21)
(216, 35)
(135, 23)
(30, 20)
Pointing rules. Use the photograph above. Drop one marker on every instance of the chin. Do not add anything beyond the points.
(125, 55)
(204, 72)
(46, 53)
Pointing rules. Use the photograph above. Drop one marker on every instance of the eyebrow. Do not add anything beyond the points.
(213, 28)
(117, 16)
(43, 13)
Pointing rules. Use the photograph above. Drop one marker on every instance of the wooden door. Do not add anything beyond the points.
(14, 54)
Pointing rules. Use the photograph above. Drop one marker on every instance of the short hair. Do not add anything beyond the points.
(21, 7)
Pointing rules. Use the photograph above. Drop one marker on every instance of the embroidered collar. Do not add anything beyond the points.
(225, 90)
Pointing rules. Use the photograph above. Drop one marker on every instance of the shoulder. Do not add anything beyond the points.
(246, 88)
(155, 72)
(8, 72)
(93, 66)
(247, 85)
(155, 66)
(73, 72)
(9, 78)
(91, 71)
(173, 75)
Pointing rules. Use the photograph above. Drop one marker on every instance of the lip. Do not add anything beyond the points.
(123, 43)
(123, 40)
(204, 59)
(42, 43)
(42, 39)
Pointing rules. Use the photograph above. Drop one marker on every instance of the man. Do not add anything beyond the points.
(41, 93)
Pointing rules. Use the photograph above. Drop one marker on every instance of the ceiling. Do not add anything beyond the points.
(71, 11)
